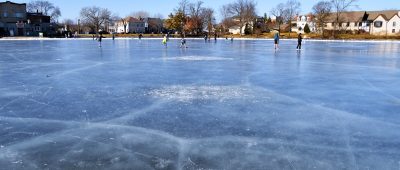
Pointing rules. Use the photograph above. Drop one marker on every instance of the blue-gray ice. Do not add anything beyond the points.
(67, 104)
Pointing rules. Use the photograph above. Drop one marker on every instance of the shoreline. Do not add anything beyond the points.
(159, 38)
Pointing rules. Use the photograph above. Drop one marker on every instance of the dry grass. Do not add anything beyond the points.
(318, 36)
(269, 35)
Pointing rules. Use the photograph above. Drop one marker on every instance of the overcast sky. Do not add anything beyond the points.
(70, 8)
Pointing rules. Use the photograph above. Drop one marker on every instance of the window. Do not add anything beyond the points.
(378, 24)
(37, 28)
(393, 31)
(360, 24)
(348, 24)
(394, 23)
(19, 15)
(5, 14)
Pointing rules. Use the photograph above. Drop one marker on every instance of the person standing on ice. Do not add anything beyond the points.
(164, 41)
(100, 39)
(276, 40)
(299, 40)
(183, 43)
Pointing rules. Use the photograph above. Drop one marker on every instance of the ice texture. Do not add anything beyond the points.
(134, 104)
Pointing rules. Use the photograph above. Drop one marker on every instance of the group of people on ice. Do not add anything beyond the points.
(276, 41)
(183, 40)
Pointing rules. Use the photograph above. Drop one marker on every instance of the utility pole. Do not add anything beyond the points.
(79, 26)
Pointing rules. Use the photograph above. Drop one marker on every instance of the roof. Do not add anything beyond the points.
(132, 19)
(358, 16)
(353, 16)
(387, 15)
(9, 2)
(234, 27)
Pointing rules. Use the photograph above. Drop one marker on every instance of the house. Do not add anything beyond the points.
(130, 25)
(15, 21)
(348, 21)
(373, 22)
(238, 29)
(12, 18)
(384, 22)
(153, 25)
(37, 23)
(301, 21)
(235, 29)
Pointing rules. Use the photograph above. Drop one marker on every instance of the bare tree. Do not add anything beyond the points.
(244, 11)
(209, 19)
(292, 9)
(68, 24)
(280, 13)
(183, 7)
(227, 21)
(140, 14)
(196, 20)
(55, 14)
(95, 17)
(322, 11)
(125, 22)
(340, 6)
(46, 8)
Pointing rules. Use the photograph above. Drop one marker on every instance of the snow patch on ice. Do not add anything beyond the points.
(199, 58)
(190, 93)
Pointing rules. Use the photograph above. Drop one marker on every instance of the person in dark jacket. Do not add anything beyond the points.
(100, 39)
(276, 40)
(299, 41)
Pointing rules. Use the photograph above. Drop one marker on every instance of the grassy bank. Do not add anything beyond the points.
(318, 36)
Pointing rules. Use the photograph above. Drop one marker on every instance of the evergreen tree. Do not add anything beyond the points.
(307, 29)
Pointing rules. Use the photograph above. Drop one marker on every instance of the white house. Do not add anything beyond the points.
(374, 22)
(236, 29)
(300, 22)
(130, 25)
(386, 24)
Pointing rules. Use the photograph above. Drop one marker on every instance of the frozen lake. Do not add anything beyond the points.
(227, 105)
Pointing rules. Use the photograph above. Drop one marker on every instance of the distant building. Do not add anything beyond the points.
(153, 25)
(36, 23)
(15, 21)
(373, 22)
(131, 25)
(299, 22)
(384, 22)
(12, 18)
(237, 28)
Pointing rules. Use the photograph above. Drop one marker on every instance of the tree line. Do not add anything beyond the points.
(194, 18)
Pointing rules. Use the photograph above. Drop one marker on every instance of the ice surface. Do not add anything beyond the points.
(226, 105)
